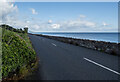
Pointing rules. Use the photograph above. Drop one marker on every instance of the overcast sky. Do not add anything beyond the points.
(61, 16)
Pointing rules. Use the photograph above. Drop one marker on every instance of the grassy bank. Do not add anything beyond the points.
(18, 55)
(0, 53)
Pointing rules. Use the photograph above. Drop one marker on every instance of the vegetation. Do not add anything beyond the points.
(12, 29)
(17, 52)
(0, 53)
(25, 30)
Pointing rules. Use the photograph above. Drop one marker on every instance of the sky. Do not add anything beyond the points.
(61, 16)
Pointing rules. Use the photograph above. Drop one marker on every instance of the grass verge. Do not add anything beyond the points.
(18, 56)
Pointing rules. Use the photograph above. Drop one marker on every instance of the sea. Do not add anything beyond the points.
(107, 37)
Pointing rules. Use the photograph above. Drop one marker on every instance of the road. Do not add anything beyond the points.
(62, 61)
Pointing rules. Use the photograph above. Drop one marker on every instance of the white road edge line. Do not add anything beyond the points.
(54, 44)
(102, 66)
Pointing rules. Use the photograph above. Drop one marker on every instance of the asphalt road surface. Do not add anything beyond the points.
(62, 61)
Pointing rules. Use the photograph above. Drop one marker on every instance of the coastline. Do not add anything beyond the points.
(102, 46)
(111, 37)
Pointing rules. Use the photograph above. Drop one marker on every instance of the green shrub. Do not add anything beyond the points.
(16, 52)
(0, 53)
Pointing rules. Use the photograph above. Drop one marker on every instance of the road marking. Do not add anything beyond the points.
(102, 66)
(54, 44)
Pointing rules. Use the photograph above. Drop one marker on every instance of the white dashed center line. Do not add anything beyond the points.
(54, 44)
(101, 66)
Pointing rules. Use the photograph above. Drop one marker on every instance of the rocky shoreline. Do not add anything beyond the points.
(106, 47)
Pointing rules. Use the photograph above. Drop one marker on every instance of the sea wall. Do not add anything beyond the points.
(107, 47)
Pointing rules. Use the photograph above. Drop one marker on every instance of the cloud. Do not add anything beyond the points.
(55, 26)
(82, 16)
(6, 8)
(66, 25)
(77, 24)
(33, 11)
(105, 24)
(8, 13)
(49, 21)
(27, 21)
(36, 27)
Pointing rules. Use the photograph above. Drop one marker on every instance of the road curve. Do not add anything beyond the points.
(61, 61)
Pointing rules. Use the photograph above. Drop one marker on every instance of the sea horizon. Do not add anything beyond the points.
(71, 32)
(97, 36)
